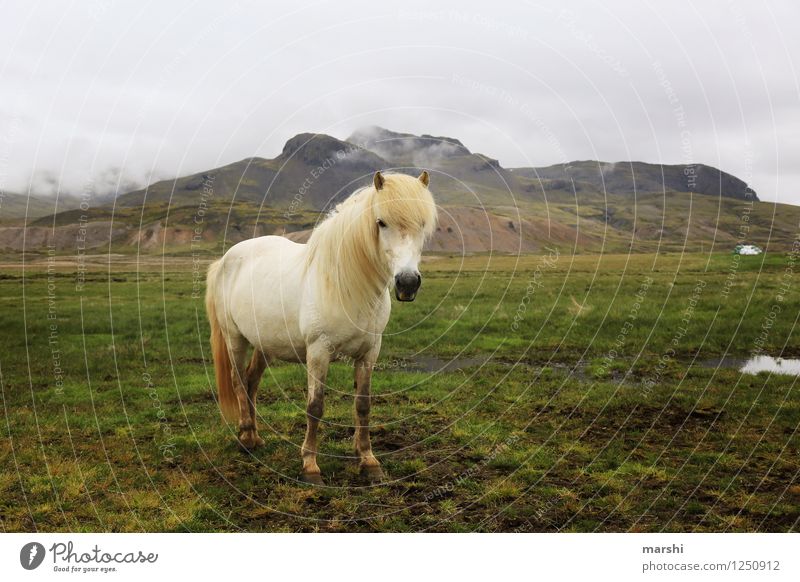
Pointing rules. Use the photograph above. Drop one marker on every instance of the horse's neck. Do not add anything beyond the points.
(372, 305)
(348, 291)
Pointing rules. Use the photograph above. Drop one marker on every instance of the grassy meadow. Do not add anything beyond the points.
(538, 393)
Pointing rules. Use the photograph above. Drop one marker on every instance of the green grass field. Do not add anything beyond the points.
(583, 394)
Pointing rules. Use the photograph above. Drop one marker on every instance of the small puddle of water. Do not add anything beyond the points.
(758, 364)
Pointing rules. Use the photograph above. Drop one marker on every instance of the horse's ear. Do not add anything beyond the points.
(378, 180)
(424, 177)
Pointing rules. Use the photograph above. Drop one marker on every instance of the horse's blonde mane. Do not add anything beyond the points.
(344, 251)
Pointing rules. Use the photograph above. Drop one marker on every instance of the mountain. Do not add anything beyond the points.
(21, 206)
(582, 205)
(640, 177)
(314, 171)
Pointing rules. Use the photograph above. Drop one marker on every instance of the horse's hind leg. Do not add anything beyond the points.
(253, 376)
(240, 379)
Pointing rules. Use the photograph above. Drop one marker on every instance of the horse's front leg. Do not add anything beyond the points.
(370, 467)
(317, 361)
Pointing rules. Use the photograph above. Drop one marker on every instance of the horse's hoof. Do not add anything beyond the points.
(312, 479)
(249, 440)
(372, 475)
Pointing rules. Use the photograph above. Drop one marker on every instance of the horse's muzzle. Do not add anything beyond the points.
(406, 285)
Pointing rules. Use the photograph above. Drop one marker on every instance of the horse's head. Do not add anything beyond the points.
(405, 216)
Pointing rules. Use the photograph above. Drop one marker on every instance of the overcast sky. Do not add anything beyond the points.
(120, 93)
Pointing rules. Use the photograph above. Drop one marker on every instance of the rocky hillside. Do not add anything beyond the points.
(313, 171)
(639, 177)
(586, 206)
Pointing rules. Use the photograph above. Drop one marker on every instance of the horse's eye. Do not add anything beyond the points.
(381, 223)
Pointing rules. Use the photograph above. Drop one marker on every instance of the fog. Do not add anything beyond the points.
(107, 96)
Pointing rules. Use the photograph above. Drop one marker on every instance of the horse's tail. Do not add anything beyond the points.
(228, 403)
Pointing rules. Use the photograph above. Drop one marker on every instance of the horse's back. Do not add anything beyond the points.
(264, 246)
(274, 259)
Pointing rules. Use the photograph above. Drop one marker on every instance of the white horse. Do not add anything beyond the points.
(316, 302)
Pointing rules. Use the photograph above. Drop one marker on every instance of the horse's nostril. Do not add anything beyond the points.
(408, 281)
